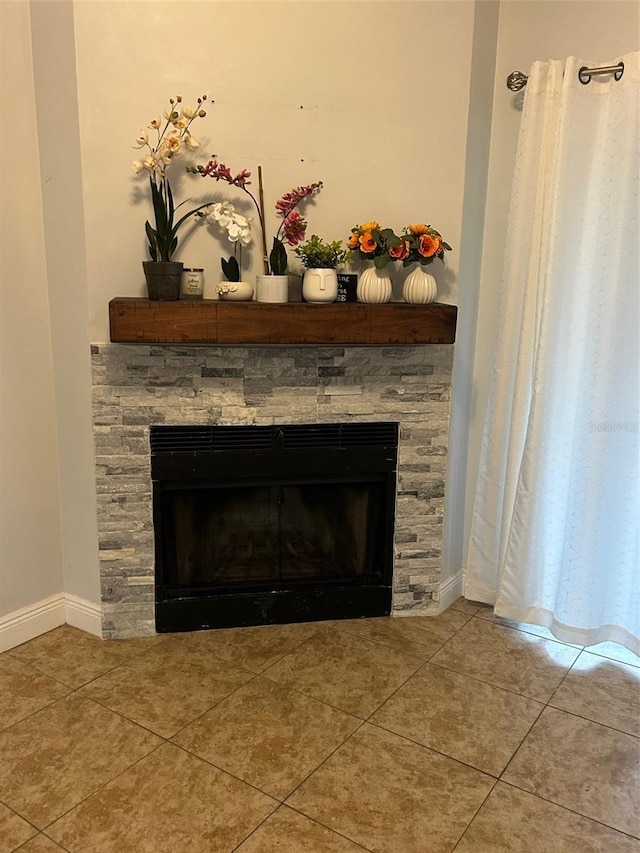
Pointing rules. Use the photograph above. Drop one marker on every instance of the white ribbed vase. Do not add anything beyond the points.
(419, 287)
(374, 286)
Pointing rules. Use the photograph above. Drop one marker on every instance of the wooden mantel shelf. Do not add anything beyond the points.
(141, 321)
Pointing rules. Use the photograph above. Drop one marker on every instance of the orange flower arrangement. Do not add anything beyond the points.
(422, 243)
(418, 243)
(370, 242)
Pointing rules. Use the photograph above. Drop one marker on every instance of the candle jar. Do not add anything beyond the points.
(192, 283)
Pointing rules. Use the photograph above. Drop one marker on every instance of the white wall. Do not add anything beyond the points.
(63, 197)
(30, 538)
(598, 31)
(371, 98)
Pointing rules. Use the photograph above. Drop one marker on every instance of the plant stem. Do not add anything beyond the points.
(265, 256)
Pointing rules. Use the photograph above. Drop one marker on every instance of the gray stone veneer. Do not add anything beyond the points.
(135, 387)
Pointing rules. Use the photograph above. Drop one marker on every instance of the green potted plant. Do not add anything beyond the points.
(320, 259)
(171, 134)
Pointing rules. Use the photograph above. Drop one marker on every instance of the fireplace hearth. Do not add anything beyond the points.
(270, 524)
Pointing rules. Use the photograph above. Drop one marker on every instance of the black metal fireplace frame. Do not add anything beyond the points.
(351, 452)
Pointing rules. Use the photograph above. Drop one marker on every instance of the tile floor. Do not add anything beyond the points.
(411, 735)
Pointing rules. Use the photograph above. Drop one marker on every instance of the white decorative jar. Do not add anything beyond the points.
(320, 285)
(419, 287)
(374, 286)
(272, 288)
(235, 291)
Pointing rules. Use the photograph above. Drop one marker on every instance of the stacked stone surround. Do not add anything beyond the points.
(135, 387)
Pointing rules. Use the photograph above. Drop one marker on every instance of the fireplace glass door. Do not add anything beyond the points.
(275, 533)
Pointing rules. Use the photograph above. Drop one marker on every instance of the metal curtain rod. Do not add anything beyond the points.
(517, 80)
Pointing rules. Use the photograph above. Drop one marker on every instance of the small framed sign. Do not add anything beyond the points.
(347, 287)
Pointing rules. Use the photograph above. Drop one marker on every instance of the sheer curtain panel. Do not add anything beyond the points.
(554, 535)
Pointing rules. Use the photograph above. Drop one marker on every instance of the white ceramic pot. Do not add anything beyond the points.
(419, 287)
(320, 285)
(235, 291)
(374, 285)
(272, 288)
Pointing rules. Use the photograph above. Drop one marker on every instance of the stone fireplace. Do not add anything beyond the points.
(136, 387)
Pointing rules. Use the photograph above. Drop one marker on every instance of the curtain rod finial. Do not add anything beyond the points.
(516, 81)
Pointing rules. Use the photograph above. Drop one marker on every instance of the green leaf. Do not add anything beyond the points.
(230, 269)
(278, 258)
(381, 261)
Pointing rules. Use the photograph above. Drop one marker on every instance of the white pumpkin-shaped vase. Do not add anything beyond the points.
(374, 286)
(419, 287)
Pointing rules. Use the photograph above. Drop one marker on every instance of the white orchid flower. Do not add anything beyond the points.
(190, 141)
(141, 140)
(173, 142)
(137, 166)
(245, 237)
(190, 112)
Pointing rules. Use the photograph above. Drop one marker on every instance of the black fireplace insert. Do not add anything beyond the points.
(270, 524)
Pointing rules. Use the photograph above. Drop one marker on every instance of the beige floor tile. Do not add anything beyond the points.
(537, 630)
(61, 754)
(390, 795)
(168, 687)
(602, 690)
(41, 844)
(75, 657)
(584, 766)
(416, 635)
(615, 652)
(512, 821)
(24, 690)
(253, 648)
(170, 802)
(507, 658)
(287, 831)
(352, 674)
(268, 735)
(14, 831)
(467, 606)
(459, 716)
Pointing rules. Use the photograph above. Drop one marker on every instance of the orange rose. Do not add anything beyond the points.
(353, 241)
(419, 229)
(370, 226)
(427, 246)
(399, 253)
(367, 243)
(437, 239)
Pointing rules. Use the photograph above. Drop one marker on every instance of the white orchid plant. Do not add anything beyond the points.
(171, 134)
(238, 228)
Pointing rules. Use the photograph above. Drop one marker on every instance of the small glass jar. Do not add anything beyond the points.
(192, 283)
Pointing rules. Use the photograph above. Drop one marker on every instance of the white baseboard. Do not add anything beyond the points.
(83, 614)
(31, 621)
(45, 615)
(450, 591)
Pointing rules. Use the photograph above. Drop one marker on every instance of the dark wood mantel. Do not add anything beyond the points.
(141, 321)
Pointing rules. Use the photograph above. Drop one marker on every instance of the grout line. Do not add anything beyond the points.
(569, 809)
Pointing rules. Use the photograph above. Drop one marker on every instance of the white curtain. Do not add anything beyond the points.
(554, 535)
